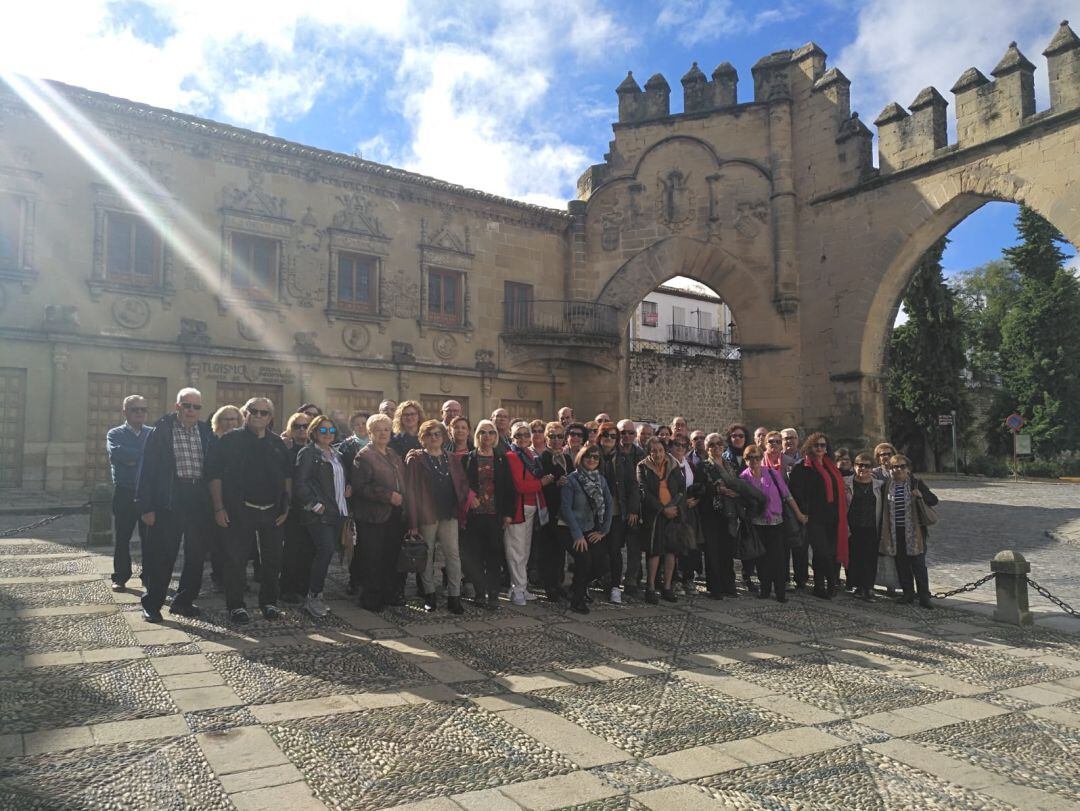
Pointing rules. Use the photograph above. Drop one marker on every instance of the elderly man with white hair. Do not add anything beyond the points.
(125, 444)
(174, 503)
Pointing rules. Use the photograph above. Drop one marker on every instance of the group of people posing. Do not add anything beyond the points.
(501, 507)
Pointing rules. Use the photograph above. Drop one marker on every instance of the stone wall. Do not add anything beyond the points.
(706, 390)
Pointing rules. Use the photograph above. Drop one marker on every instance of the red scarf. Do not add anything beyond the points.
(834, 490)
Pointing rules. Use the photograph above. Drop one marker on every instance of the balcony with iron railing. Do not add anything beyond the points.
(697, 336)
(557, 321)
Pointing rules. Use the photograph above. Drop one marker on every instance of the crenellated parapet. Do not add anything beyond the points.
(700, 95)
(985, 108)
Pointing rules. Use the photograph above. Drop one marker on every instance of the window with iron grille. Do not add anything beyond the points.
(445, 303)
(356, 282)
(518, 301)
(650, 314)
(132, 250)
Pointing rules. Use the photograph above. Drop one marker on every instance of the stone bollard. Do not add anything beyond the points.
(101, 530)
(1010, 574)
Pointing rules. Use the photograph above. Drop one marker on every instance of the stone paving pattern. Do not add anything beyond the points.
(740, 703)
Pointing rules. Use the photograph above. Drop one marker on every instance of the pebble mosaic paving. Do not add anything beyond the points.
(748, 703)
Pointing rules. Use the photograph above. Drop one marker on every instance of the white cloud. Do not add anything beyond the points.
(696, 21)
(902, 47)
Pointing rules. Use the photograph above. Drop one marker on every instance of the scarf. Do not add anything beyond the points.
(531, 462)
(594, 490)
(834, 486)
(664, 492)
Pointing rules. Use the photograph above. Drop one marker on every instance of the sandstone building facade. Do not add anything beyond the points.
(143, 250)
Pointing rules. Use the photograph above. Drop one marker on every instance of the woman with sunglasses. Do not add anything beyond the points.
(225, 419)
(321, 489)
(864, 494)
(575, 438)
(663, 492)
(819, 491)
(436, 491)
(539, 441)
(773, 456)
(883, 452)
(902, 534)
(585, 513)
(491, 506)
(297, 551)
(688, 563)
(735, 436)
(407, 418)
(717, 531)
(558, 464)
(528, 477)
(769, 523)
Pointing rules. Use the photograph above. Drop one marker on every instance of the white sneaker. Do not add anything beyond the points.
(517, 597)
(616, 595)
(315, 606)
(529, 595)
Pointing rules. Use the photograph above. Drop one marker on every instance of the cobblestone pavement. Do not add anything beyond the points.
(741, 703)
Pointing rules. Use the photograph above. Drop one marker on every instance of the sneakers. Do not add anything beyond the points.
(182, 610)
(315, 606)
(270, 611)
(529, 595)
(240, 616)
(117, 586)
(151, 616)
(616, 595)
(517, 597)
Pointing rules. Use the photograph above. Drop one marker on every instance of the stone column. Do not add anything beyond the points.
(1010, 575)
(101, 518)
(786, 291)
(57, 453)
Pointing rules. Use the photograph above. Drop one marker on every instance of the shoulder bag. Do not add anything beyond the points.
(925, 514)
(413, 555)
(794, 531)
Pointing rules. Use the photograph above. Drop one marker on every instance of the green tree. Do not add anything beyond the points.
(1040, 338)
(926, 363)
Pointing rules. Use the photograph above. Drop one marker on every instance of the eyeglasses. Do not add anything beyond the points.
(195, 407)
(821, 444)
(324, 430)
(591, 457)
(520, 435)
(487, 432)
(137, 409)
(609, 435)
(554, 436)
(751, 457)
(864, 466)
(773, 441)
(578, 434)
(300, 426)
(897, 467)
(258, 412)
(738, 436)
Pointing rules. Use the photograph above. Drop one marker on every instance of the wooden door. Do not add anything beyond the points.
(12, 426)
(106, 398)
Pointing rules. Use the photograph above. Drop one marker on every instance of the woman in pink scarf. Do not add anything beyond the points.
(818, 489)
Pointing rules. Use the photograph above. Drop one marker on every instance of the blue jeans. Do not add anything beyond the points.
(325, 539)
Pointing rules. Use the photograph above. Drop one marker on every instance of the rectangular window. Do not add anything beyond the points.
(254, 263)
(11, 229)
(445, 293)
(649, 314)
(518, 304)
(678, 316)
(356, 282)
(132, 250)
(704, 319)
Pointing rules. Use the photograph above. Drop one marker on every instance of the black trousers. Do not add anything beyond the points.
(633, 554)
(616, 539)
(482, 553)
(552, 558)
(800, 563)
(719, 553)
(126, 519)
(375, 560)
(772, 567)
(248, 526)
(187, 521)
(587, 565)
(297, 554)
(911, 571)
(862, 557)
(826, 576)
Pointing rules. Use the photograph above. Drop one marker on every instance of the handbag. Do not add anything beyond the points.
(794, 531)
(413, 556)
(347, 540)
(924, 513)
(886, 572)
(750, 545)
(679, 538)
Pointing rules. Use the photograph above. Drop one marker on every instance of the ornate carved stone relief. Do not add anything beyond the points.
(674, 200)
(62, 318)
(251, 326)
(445, 385)
(305, 269)
(445, 345)
(750, 217)
(400, 295)
(402, 352)
(193, 332)
(255, 198)
(355, 337)
(305, 343)
(357, 214)
(611, 222)
(131, 313)
(129, 362)
(522, 391)
(445, 236)
(485, 360)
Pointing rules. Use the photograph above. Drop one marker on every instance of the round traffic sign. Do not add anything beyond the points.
(1015, 422)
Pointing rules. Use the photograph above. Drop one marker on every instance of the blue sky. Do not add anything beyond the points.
(514, 97)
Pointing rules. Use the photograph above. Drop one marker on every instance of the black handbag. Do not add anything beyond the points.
(413, 555)
(750, 545)
(679, 538)
(794, 531)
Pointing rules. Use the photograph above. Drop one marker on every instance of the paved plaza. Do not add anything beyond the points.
(741, 703)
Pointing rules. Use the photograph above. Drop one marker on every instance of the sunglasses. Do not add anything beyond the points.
(258, 412)
(487, 432)
(628, 433)
(554, 436)
(885, 453)
(897, 467)
(609, 435)
(773, 441)
(751, 457)
(300, 426)
(821, 444)
(137, 409)
(522, 436)
(578, 434)
(195, 407)
(591, 457)
(325, 430)
(738, 436)
(864, 466)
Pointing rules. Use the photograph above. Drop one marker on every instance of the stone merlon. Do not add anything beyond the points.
(892, 112)
(928, 97)
(972, 77)
(1011, 62)
(1064, 40)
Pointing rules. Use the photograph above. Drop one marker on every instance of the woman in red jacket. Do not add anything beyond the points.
(529, 479)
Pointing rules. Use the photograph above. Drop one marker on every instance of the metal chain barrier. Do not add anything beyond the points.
(967, 587)
(1064, 606)
(7, 533)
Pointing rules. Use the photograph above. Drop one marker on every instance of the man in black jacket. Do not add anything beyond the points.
(618, 464)
(250, 474)
(172, 498)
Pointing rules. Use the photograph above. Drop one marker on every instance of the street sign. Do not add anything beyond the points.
(1014, 421)
(945, 419)
(1022, 444)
